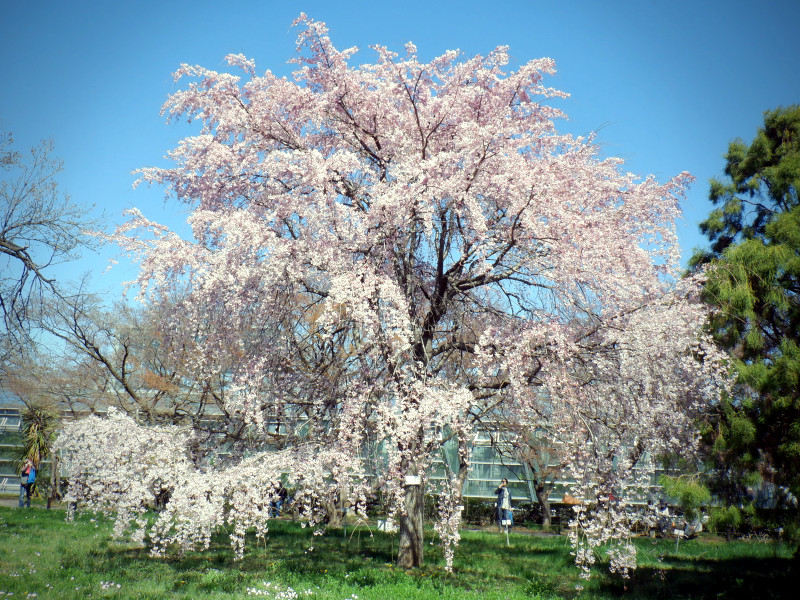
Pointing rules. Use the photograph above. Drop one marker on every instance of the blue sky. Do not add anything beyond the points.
(666, 85)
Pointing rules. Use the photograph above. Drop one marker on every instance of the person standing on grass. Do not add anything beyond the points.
(27, 478)
(277, 505)
(504, 511)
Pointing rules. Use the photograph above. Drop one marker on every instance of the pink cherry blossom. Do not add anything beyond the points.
(393, 251)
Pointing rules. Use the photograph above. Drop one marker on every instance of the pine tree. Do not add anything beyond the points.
(754, 281)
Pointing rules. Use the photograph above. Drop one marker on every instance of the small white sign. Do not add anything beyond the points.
(386, 525)
(413, 480)
(506, 522)
(678, 532)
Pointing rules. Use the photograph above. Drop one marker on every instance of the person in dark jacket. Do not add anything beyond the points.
(276, 506)
(27, 477)
(504, 512)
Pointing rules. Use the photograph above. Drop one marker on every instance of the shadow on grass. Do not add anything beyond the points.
(725, 579)
(288, 547)
(294, 555)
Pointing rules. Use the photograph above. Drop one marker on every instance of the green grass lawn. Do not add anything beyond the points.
(42, 554)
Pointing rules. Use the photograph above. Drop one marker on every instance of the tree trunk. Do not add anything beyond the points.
(344, 504)
(459, 478)
(409, 552)
(55, 481)
(332, 511)
(464, 463)
(542, 493)
(537, 487)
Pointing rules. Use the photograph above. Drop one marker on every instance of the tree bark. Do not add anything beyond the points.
(459, 478)
(409, 553)
(542, 493)
(55, 481)
(333, 513)
(336, 509)
(539, 488)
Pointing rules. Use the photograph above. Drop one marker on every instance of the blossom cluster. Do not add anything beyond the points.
(447, 525)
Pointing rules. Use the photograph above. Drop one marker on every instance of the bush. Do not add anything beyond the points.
(691, 495)
(482, 512)
(478, 511)
(725, 519)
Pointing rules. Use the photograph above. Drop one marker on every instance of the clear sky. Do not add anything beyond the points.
(666, 85)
